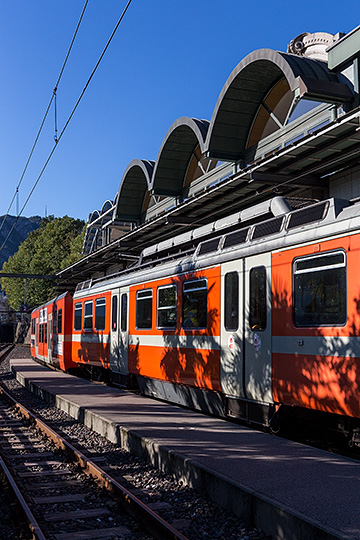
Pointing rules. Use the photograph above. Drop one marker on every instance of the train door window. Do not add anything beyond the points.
(100, 307)
(59, 321)
(195, 304)
(144, 309)
(166, 306)
(231, 301)
(114, 313)
(88, 315)
(45, 332)
(77, 316)
(124, 312)
(319, 290)
(258, 307)
(54, 323)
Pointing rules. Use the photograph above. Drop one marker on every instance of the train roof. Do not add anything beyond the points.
(51, 301)
(240, 235)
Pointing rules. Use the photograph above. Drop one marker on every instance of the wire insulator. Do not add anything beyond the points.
(55, 105)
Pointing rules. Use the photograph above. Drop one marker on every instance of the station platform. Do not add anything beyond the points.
(287, 490)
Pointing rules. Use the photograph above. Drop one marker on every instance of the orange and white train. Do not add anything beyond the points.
(243, 317)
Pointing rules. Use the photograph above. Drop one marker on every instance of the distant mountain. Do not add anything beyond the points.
(23, 227)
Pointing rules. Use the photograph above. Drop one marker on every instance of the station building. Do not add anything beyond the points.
(284, 133)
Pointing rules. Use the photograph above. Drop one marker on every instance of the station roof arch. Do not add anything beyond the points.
(134, 187)
(94, 215)
(185, 137)
(287, 76)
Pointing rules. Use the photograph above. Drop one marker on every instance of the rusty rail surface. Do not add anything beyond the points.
(153, 523)
(19, 506)
(5, 348)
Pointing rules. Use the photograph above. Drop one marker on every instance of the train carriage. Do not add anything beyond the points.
(91, 329)
(51, 332)
(257, 320)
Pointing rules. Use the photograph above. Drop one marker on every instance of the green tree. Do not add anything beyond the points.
(52, 247)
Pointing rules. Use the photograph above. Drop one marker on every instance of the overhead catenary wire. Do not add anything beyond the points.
(68, 121)
(45, 114)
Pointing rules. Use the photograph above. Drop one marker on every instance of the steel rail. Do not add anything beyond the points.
(5, 350)
(154, 524)
(20, 507)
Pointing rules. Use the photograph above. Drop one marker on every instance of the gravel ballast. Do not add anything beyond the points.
(196, 516)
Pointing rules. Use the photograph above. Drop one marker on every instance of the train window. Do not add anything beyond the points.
(114, 313)
(258, 308)
(100, 307)
(45, 332)
(231, 301)
(59, 321)
(166, 306)
(123, 325)
(195, 304)
(77, 316)
(88, 315)
(144, 309)
(319, 290)
(54, 323)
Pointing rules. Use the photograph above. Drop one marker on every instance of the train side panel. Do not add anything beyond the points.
(174, 329)
(61, 350)
(51, 332)
(316, 325)
(91, 330)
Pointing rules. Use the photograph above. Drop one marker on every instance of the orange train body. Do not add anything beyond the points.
(51, 332)
(166, 359)
(269, 323)
(327, 378)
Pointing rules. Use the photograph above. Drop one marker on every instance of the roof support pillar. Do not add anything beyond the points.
(356, 68)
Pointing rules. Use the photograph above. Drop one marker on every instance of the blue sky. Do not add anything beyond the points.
(168, 59)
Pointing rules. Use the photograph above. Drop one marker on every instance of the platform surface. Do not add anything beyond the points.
(318, 487)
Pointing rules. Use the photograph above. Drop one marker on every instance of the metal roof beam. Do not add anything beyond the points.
(270, 178)
(26, 276)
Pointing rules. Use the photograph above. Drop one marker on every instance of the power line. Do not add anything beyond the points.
(68, 120)
(45, 115)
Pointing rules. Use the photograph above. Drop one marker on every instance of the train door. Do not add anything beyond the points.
(119, 334)
(232, 349)
(37, 338)
(114, 331)
(50, 336)
(257, 328)
(124, 331)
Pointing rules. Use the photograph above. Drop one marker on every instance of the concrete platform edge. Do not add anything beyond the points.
(280, 522)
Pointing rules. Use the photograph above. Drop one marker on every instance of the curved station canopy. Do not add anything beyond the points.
(256, 100)
(259, 95)
(278, 127)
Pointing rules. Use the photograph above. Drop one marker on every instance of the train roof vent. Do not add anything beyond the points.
(235, 238)
(83, 285)
(309, 214)
(208, 247)
(149, 251)
(183, 238)
(266, 228)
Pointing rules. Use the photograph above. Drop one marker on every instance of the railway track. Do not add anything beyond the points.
(60, 494)
(5, 348)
